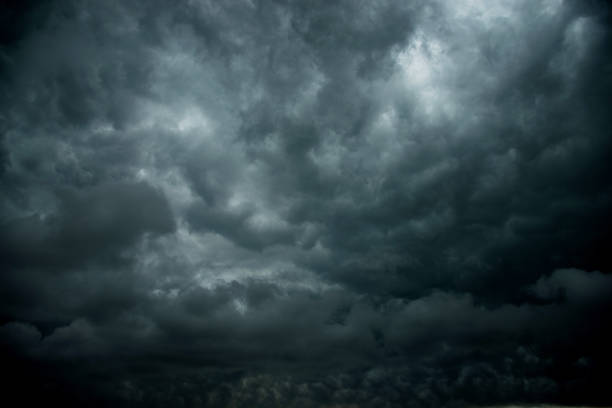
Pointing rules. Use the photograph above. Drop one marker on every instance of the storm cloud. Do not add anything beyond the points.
(306, 203)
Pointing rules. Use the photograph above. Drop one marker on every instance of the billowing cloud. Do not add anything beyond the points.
(323, 204)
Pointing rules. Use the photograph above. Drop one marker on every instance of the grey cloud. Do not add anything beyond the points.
(254, 326)
(288, 204)
(235, 226)
(100, 221)
(573, 285)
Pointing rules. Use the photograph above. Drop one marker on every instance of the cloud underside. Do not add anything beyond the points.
(323, 204)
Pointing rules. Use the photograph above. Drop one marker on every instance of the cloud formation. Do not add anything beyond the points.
(322, 204)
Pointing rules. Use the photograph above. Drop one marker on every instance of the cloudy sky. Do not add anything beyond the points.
(350, 203)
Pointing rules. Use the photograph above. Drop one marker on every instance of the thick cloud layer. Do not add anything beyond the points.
(306, 204)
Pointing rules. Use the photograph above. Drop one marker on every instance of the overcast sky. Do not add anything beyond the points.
(356, 203)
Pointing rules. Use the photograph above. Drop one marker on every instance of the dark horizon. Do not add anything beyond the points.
(306, 203)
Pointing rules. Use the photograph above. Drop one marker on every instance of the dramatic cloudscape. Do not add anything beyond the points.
(349, 204)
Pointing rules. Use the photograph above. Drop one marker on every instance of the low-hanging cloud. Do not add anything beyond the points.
(323, 204)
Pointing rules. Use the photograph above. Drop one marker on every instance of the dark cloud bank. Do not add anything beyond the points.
(305, 203)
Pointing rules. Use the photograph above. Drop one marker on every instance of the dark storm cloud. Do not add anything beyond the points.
(99, 221)
(322, 204)
(402, 346)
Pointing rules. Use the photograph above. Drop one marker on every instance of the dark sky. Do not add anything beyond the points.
(337, 204)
